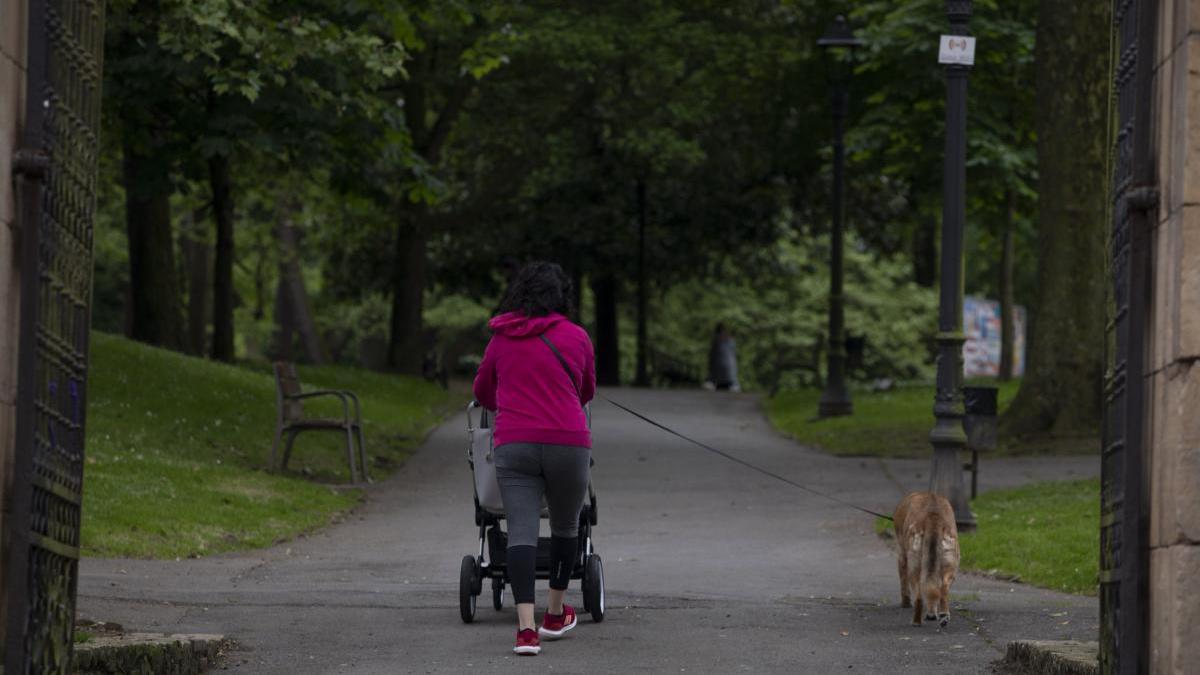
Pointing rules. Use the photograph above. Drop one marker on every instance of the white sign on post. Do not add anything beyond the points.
(957, 49)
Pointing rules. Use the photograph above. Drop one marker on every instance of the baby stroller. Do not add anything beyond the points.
(493, 541)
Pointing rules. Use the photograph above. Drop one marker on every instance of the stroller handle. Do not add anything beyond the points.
(483, 417)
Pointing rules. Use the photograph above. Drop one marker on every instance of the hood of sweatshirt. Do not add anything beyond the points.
(518, 325)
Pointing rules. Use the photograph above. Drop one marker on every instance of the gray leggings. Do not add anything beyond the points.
(526, 471)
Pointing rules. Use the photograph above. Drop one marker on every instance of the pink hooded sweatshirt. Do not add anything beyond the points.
(522, 380)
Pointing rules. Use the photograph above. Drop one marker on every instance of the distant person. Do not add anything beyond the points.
(543, 444)
(722, 360)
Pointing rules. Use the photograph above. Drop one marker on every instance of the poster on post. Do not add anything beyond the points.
(981, 326)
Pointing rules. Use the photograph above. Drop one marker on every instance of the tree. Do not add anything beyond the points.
(146, 145)
(156, 313)
(631, 131)
(1062, 390)
(197, 255)
(1005, 195)
(902, 97)
(454, 45)
(194, 84)
(904, 100)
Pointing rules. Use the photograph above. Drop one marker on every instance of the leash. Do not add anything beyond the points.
(743, 462)
(563, 362)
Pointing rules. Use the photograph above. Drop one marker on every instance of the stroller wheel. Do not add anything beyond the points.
(497, 594)
(467, 575)
(593, 587)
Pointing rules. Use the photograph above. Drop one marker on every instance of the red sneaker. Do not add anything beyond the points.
(555, 626)
(527, 643)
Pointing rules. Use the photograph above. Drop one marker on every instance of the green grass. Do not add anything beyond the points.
(178, 450)
(894, 423)
(1047, 534)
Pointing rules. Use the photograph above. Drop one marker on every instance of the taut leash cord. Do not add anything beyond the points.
(743, 462)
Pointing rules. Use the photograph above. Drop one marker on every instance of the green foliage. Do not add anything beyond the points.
(346, 325)
(244, 47)
(178, 447)
(1046, 534)
(709, 110)
(682, 102)
(111, 279)
(776, 305)
(284, 94)
(455, 312)
(504, 131)
(219, 75)
(896, 142)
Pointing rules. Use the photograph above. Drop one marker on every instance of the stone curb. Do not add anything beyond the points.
(148, 654)
(1067, 657)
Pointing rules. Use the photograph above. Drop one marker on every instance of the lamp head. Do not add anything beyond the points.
(839, 35)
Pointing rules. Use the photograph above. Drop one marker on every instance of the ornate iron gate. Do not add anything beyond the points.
(56, 171)
(1124, 559)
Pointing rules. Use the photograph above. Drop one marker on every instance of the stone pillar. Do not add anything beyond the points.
(13, 26)
(1173, 341)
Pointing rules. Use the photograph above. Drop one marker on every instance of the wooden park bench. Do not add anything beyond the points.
(289, 397)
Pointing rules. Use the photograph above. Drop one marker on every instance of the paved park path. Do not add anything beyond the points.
(710, 568)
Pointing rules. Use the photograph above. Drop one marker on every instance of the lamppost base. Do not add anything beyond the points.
(946, 479)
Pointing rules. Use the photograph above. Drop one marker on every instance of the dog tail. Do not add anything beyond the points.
(931, 541)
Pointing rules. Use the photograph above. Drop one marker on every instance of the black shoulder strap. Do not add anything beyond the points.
(562, 361)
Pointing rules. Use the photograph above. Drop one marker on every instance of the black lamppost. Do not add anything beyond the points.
(947, 437)
(835, 400)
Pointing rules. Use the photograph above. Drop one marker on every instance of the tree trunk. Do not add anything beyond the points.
(429, 134)
(222, 192)
(1062, 389)
(197, 255)
(608, 349)
(406, 346)
(1007, 305)
(292, 308)
(156, 315)
(263, 249)
(643, 373)
(284, 348)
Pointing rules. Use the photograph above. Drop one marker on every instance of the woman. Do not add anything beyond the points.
(722, 360)
(537, 373)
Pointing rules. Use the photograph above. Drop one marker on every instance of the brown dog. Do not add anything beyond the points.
(927, 543)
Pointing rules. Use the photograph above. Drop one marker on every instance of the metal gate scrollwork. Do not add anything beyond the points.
(1124, 511)
(56, 179)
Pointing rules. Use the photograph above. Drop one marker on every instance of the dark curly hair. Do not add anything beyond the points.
(540, 288)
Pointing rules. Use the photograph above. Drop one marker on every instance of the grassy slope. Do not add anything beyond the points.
(177, 449)
(1047, 534)
(889, 424)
